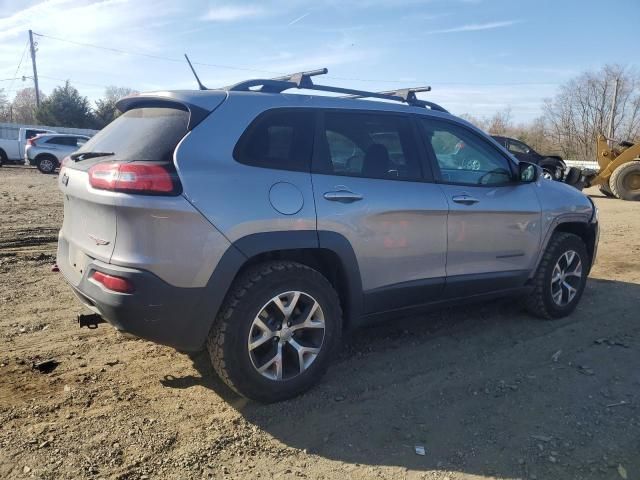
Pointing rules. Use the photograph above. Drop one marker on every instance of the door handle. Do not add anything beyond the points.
(343, 196)
(464, 199)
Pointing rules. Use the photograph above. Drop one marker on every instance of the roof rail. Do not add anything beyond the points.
(303, 80)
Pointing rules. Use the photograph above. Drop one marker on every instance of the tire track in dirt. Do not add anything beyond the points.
(28, 237)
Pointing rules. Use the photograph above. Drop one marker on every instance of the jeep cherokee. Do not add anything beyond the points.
(260, 225)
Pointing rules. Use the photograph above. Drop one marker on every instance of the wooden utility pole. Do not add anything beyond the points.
(613, 113)
(35, 70)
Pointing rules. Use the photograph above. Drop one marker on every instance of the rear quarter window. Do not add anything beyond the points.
(143, 134)
(280, 139)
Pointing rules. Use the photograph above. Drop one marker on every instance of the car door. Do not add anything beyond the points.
(371, 190)
(494, 221)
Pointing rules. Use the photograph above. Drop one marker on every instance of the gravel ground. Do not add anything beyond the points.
(488, 391)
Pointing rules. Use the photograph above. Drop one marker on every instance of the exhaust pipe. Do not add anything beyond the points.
(91, 320)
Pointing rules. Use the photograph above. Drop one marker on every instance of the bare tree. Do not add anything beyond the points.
(501, 122)
(106, 111)
(24, 106)
(583, 107)
(5, 107)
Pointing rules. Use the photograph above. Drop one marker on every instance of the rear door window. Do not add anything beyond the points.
(281, 139)
(517, 147)
(66, 141)
(368, 144)
(145, 134)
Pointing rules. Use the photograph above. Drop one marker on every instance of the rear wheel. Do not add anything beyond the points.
(46, 164)
(560, 278)
(277, 331)
(625, 181)
(3, 157)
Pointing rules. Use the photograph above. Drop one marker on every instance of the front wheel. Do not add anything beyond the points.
(277, 331)
(560, 278)
(625, 181)
(46, 164)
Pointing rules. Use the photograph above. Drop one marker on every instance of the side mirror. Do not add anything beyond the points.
(528, 172)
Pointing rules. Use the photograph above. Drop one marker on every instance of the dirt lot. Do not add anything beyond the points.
(487, 390)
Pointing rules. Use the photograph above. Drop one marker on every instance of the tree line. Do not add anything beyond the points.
(577, 114)
(64, 107)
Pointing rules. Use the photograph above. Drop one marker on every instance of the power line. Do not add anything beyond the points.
(215, 65)
(73, 81)
(249, 69)
(19, 64)
(156, 57)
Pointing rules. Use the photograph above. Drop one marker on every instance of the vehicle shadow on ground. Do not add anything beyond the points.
(486, 389)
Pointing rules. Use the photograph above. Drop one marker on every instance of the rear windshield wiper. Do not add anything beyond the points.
(86, 155)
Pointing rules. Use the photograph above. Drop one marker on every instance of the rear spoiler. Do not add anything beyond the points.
(198, 104)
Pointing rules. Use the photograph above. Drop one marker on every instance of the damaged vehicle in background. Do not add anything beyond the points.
(553, 167)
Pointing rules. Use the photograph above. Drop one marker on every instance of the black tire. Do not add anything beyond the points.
(228, 339)
(540, 301)
(47, 164)
(605, 190)
(625, 181)
(554, 167)
(573, 176)
(3, 157)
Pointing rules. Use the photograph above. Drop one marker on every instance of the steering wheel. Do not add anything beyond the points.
(471, 164)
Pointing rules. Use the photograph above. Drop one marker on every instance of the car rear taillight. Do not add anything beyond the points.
(111, 282)
(134, 177)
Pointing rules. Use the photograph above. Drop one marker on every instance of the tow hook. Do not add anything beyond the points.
(91, 320)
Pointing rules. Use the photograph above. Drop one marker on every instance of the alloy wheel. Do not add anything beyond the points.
(47, 165)
(566, 278)
(286, 336)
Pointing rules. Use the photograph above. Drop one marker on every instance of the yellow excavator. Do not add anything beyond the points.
(619, 173)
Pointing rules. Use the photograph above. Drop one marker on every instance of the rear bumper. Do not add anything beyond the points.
(156, 311)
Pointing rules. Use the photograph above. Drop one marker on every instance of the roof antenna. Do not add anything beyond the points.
(200, 85)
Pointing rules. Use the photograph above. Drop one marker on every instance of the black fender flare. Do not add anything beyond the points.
(243, 250)
(567, 218)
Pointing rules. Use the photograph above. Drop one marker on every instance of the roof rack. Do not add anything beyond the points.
(303, 80)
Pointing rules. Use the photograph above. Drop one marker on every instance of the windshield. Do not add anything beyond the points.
(143, 134)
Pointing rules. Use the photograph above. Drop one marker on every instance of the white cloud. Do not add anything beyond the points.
(474, 27)
(230, 13)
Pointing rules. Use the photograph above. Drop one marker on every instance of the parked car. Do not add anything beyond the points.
(261, 225)
(553, 166)
(46, 151)
(13, 140)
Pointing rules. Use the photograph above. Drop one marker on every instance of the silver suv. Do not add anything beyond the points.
(48, 150)
(261, 225)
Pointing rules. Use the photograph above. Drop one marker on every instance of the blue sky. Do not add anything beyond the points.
(478, 55)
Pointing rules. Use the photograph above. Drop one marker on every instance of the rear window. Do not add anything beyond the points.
(145, 134)
(281, 139)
